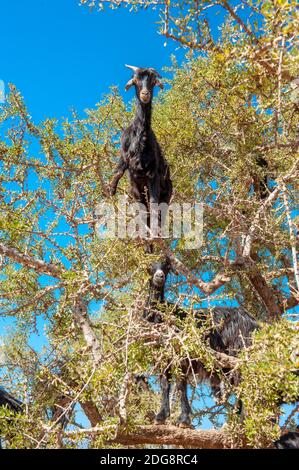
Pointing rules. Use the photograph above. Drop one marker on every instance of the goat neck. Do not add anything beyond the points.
(155, 296)
(143, 115)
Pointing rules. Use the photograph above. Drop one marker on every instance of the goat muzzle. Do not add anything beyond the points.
(159, 278)
(145, 96)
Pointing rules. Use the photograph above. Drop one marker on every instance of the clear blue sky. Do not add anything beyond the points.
(62, 56)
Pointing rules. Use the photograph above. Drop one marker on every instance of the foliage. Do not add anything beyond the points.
(268, 379)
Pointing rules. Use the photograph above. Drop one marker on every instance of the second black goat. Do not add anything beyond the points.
(232, 332)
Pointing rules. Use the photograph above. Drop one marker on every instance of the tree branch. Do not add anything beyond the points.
(38, 265)
(266, 294)
(292, 234)
(292, 302)
(226, 361)
(207, 287)
(237, 18)
(163, 435)
(173, 435)
(91, 412)
(85, 325)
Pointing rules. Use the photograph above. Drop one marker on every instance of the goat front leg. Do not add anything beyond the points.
(164, 412)
(119, 172)
(184, 420)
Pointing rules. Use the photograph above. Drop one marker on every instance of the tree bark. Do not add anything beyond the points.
(91, 412)
(38, 265)
(175, 436)
(264, 290)
(162, 435)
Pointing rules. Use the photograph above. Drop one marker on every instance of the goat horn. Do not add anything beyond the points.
(132, 67)
(155, 72)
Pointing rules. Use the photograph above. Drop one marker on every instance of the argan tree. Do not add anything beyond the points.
(228, 126)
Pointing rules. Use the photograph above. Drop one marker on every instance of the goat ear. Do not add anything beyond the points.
(168, 262)
(129, 84)
(160, 84)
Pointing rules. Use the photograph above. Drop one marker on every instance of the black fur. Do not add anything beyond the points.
(8, 400)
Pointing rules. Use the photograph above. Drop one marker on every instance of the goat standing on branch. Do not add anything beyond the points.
(141, 153)
(232, 332)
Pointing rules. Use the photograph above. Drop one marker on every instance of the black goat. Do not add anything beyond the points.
(140, 152)
(10, 402)
(232, 332)
(290, 440)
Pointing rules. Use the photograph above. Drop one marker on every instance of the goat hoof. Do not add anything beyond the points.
(160, 419)
(159, 422)
(185, 425)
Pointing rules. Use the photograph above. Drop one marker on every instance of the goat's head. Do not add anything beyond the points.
(159, 272)
(144, 80)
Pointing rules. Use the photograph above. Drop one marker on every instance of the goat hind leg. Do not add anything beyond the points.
(184, 419)
(164, 412)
